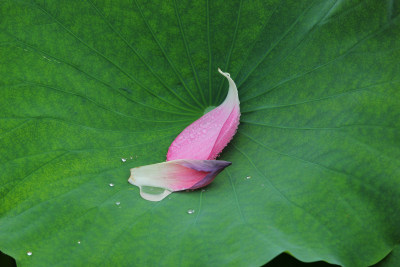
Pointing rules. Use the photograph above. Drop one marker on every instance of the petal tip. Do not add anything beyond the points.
(131, 179)
(224, 73)
(151, 196)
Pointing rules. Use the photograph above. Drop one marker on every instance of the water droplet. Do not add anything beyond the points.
(79, 242)
(131, 157)
(29, 253)
(111, 184)
(117, 203)
(248, 177)
(123, 160)
(190, 211)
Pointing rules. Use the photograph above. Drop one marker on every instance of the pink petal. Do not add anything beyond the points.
(206, 137)
(157, 181)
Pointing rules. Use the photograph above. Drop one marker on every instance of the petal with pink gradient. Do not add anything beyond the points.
(158, 180)
(205, 138)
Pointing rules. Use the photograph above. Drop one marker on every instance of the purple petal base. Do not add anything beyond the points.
(213, 167)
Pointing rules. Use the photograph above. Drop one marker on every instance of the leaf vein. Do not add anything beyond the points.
(166, 56)
(137, 54)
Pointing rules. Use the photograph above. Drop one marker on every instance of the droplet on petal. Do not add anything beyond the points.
(214, 130)
(157, 181)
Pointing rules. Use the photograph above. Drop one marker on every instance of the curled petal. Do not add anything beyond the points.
(206, 137)
(157, 181)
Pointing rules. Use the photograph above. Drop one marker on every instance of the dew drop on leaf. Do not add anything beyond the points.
(29, 253)
(190, 211)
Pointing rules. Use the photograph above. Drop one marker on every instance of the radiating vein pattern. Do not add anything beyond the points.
(90, 89)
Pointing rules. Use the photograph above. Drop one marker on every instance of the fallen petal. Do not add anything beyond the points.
(158, 180)
(206, 137)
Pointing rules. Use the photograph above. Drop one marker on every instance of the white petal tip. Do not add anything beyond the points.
(130, 180)
(149, 192)
(224, 73)
(153, 193)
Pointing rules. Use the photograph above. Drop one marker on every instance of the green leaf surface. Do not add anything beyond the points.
(86, 83)
(392, 260)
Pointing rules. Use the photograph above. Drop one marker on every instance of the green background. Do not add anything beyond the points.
(84, 84)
